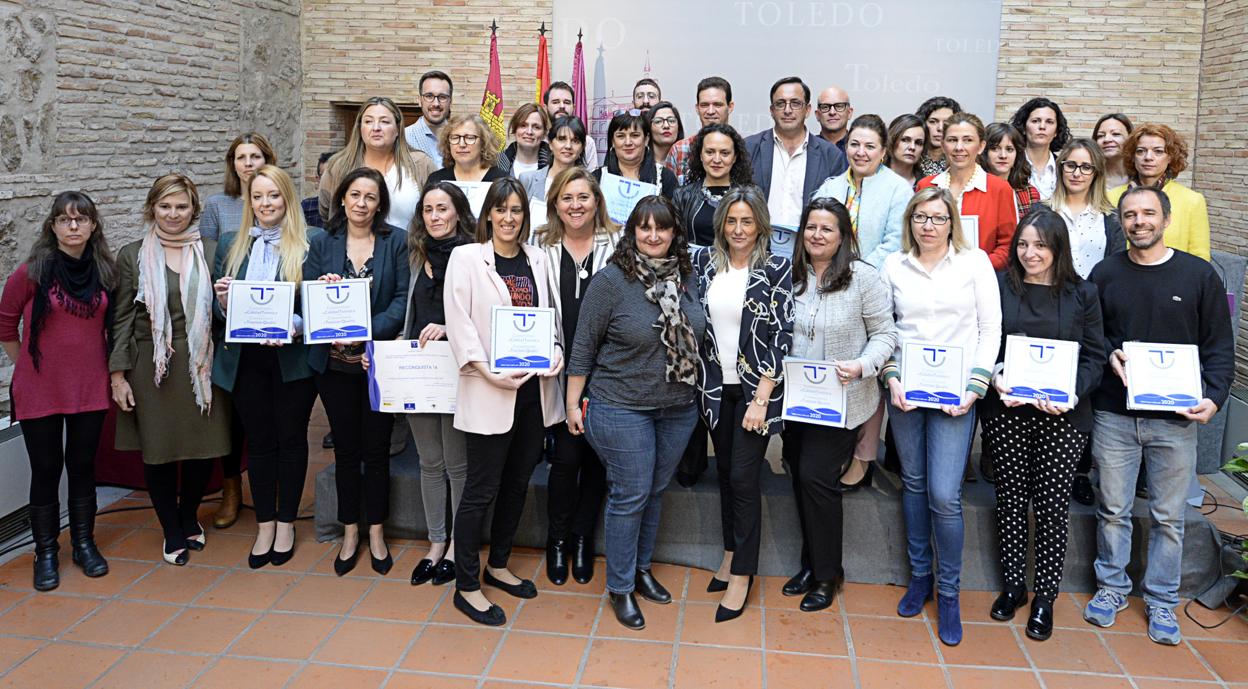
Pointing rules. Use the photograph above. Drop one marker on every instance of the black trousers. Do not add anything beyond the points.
(177, 504)
(274, 415)
(49, 451)
(361, 440)
(738, 462)
(577, 487)
(790, 453)
(499, 469)
(817, 456)
(232, 464)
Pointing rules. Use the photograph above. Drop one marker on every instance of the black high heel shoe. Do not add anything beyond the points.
(723, 614)
(343, 567)
(865, 481)
(281, 557)
(383, 565)
(716, 585)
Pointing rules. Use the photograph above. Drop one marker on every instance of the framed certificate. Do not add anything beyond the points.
(405, 378)
(812, 393)
(475, 191)
(259, 311)
(337, 311)
(522, 339)
(623, 194)
(932, 374)
(783, 237)
(537, 214)
(970, 227)
(1162, 377)
(1036, 368)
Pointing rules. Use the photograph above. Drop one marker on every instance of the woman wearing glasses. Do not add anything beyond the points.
(469, 152)
(665, 129)
(1081, 200)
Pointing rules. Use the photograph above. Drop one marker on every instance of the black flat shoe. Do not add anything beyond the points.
(865, 481)
(1040, 622)
(257, 561)
(1082, 491)
(443, 572)
(650, 588)
(281, 557)
(627, 612)
(1011, 599)
(723, 614)
(686, 480)
(820, 597)
(341, 566)
(557, 561)
(383, 565)
(582, 559)
(716, 585)
(423, 572)
(525, 589)
(494, 617)
(797, 585)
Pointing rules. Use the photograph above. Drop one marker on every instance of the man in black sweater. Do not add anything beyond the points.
(1152, 293)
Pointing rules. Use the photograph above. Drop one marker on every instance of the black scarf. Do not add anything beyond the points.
(438, 254)
(75, 285)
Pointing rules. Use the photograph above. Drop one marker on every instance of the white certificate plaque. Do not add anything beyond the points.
(622, 195)
(259, 311)
(475, 191)
(813, 393)
(1036, 368)
(522, 339)
(338, 311)
(1162, 377)
(932, 374)
(405, 378)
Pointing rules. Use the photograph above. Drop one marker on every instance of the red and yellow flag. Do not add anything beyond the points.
(492, 102)
(543, 69)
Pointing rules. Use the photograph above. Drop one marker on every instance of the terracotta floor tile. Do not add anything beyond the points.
(699, 627)
(400, 601)
(520, 685)
(1074, 650)
(564, 614)
(46, 615)
(17, 573)
(130, 517)
(247, 590)
(982, 678)
(895, 639)
(673, 577)
(122, 623)
(875, 675)
(462, 650)
(1057, 680)
(447, 614)
(201, 630)
(121, 573)
(284, 636)
(307, 555)
(804, 632)
(10, 597)
(660, 623)
(239, 673)
(224, 549)
(700, 667)
(1225, 657)
(789, 670)
(153, 671)
(141, 544)
(976, 607)
(169, 584)
(330, 677)
(61, 666)
(1143, 658)
(1175, 684)
(538, 658)
(324, 595)
(403, 680)
(376, 644)
(627, 664)
(527, 565)
(1234, 629)
(870, 599)
(986, 644)
(14, 651)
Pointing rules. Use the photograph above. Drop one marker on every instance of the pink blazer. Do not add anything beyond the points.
(473, 287)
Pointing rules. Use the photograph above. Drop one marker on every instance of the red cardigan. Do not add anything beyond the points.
(997, 215)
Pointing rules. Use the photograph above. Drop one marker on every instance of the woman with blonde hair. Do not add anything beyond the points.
(1081, 199)
(469, 151)
(271, 383)
(162, 359)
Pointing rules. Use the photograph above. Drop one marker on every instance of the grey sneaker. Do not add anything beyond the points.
(1163, 628)
(1104, 607)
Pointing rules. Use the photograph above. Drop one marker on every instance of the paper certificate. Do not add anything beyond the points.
(623, 194)
(537, 214)
(813, 393)
(932, 374)
(1162, 377)
(783, 237)
(970, 228)
(475, 191)
(337, 311)
(522, 339)
(405, 378)
(259, 311)
(1036, 368)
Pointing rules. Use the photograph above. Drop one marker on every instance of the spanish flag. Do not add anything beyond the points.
(492, 102)
(543, 67)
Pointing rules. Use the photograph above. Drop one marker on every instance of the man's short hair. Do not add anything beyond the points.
(1161, 196)
(647, 81)
(558, 86)
(715, 83)
(789, 80)
(435, 74)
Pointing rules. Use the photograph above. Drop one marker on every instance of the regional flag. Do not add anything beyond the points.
(543, 67)
(492, 102)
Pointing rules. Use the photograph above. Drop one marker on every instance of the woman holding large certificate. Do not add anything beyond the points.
(948, 313)
(1038, 416)
(844, 332)
(497, 303)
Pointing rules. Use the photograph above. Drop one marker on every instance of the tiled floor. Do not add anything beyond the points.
(215, 623)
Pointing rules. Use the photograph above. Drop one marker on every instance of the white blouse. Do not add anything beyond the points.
(403, 200)
(723, 300)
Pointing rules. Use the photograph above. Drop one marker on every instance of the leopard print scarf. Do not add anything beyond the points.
(661, 278)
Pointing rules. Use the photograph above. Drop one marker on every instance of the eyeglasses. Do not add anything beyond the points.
(436, 97)
(794, 104)
(64, 221)
(669, 121)
(828, 107)
(1083, 168)
(922, 218)
(469, 139)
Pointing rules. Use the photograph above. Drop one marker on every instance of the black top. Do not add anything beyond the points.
(704, 221)
(1181, 301)
(517, 274)
(427, 304)
(447, 174)
(572, 289)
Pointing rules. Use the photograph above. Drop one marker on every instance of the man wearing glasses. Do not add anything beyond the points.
(834, 114)
(435, 108)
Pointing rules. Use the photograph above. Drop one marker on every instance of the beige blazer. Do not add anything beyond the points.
(473, 287)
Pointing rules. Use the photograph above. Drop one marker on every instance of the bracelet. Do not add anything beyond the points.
(759, 401)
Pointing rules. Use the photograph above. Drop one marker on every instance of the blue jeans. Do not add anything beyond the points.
(640, 450)
(932, 447)
(1168, 449)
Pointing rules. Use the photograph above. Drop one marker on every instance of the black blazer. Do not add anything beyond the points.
(1076, 318)
(388, 291)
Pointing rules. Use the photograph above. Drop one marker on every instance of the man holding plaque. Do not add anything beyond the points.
(1152, 294)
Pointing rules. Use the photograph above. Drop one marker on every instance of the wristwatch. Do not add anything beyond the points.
(759, 401)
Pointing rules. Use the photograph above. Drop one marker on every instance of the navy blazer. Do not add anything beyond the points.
(823, 160)
(388, 290)
(765, 339)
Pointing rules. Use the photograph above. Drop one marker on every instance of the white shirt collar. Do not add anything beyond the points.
(979, 180)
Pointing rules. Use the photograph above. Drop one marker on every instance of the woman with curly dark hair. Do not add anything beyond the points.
(1002, 156)
(718, 160)
(1044, 128)
(933, 113)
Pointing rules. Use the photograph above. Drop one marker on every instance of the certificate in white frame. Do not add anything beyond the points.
(521, 339)
(813, 393)
(1038, 368)
(405, 378)
(339, 311)
(258, 311)
(932, 374)
(1162, 377)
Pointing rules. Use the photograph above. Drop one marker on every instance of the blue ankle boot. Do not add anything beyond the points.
(949, 620)
(919, 592)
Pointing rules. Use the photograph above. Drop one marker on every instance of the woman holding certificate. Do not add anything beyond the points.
(161, 362)
(578, 240)
(1036, 444)
(637, 345)
(359, 245)
(503, 413)
(747, 294)
(948, 312)
(629, 154)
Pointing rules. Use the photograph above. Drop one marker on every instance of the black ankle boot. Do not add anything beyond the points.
(1011, 599)
(582, 559)
(45, 526)
(82, 537)
(626, 611)
(1040, 622)
(556, 561)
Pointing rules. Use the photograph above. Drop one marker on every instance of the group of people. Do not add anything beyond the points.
(838, 246)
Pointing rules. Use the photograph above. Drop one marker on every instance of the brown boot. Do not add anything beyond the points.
(231, 498)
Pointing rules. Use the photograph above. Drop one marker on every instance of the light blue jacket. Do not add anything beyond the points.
(883, 202)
